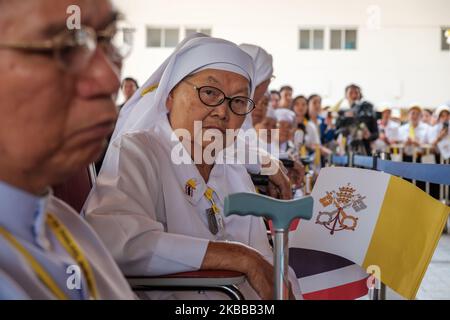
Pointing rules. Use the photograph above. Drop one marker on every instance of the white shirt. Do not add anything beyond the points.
(421, 134)
(9, 290)
(310, 139)
(434, 132)
(23, 215)
(149, 222)
(391, 131)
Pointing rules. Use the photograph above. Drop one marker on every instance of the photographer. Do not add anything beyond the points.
(359, 126)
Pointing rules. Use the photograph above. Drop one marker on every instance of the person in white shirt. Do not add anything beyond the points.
(427, 117)
(387, 128)
(157, 206)
(440, 131)
(317, 123)
(306, 132)
(413, 134)
(286, 93)
(57, 111)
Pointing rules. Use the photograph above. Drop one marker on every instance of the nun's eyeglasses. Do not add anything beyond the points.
(74, 49)
(214, 97)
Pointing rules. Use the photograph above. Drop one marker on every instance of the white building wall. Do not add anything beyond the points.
(401, 61)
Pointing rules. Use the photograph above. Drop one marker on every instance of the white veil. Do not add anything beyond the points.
(148, 104)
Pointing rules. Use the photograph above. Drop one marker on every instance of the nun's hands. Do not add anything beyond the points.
(261, 278)
(297, 174)
(241, 258)
(279, 184)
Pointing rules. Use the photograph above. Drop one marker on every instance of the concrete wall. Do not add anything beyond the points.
(398, 59)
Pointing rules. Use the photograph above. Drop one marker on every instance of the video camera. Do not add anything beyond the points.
(353, 122)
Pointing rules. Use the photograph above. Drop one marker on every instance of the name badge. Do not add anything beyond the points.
(212, 221)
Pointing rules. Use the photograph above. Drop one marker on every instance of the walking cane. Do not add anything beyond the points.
(281, 212)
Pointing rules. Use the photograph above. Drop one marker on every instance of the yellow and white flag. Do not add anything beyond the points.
(374, 219)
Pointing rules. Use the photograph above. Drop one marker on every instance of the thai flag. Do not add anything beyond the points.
(325, 276)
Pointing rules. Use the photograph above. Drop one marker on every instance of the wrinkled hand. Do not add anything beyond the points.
(261, 277)
(279, 184)
(297, 174)
(238, 257)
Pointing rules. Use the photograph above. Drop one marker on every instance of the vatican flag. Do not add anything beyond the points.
(364, 219)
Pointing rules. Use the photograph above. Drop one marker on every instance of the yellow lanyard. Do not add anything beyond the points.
(215, 221)
(412, 132)
(66, 239)
(209, 195)
(317, 157)
(303, 152)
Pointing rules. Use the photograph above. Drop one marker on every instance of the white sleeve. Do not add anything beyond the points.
(432, 134)
(403, 133)
(312, 137)
(299, 138)
(9, 290)
(122, 210)
(425, 137)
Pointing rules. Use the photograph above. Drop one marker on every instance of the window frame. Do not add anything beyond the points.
(162, 36)
(311, 30)
(442, 30)
(343, 30)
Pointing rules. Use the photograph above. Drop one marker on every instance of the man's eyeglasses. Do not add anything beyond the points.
(74, 49)
(214, 97)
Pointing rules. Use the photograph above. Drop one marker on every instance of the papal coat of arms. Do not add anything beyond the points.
(341, 201)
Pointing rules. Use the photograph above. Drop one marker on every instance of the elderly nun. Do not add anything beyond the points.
(160, 211)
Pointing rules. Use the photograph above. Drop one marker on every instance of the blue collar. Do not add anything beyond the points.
(23, 214)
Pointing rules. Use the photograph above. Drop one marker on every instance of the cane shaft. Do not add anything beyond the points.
(281, 259)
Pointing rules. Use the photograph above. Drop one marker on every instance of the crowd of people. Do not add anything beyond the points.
(353, 124)
(148, 214)
(356, 125)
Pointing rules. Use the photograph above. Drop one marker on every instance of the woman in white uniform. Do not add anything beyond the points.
(160, 212)
(413, 134)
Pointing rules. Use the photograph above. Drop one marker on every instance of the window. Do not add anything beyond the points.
(162, 37)
(305, 40)
(335, 42)
(154, 37)
(343, 39)
(190, 31)
(317, 39)
(311, 39)
(171, 38)
(445, 38)
(350, 39)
